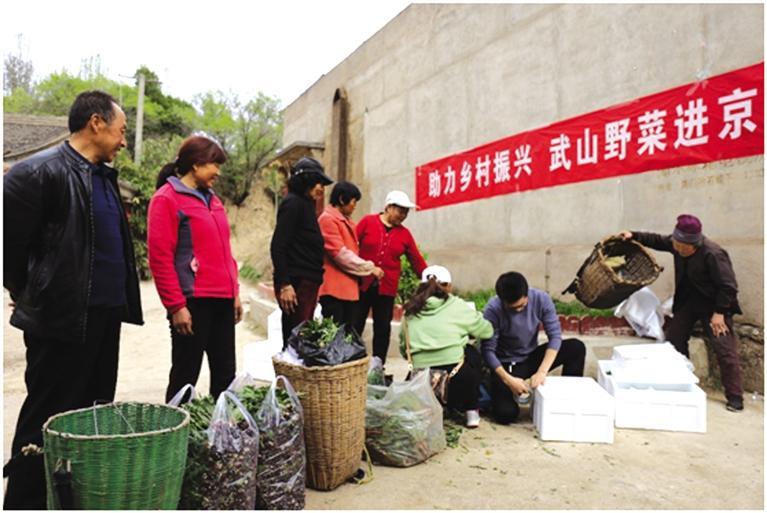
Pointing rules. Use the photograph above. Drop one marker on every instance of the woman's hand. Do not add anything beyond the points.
(378, 273)
(237, 310)
(182, 322)
(718, 326)
(288, 299)
(625, 235)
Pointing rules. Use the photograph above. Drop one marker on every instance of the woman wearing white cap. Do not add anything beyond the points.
(439, 325)
(383, 240)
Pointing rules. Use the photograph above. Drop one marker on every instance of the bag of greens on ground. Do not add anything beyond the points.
(282, 457)
(376, 372)
(403, 422)
(326, 343)
(222, 459)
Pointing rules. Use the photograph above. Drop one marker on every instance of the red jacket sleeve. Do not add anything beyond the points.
(162, 237)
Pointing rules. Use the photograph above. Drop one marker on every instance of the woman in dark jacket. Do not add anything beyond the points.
(297, 245)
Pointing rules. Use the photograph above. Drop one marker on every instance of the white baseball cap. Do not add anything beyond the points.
(398, 198)
(441, 274)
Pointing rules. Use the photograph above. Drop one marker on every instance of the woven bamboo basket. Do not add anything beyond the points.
(119, 456)
(597, 285)
(333, 399)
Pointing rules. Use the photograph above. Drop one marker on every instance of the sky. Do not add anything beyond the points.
(279, 48)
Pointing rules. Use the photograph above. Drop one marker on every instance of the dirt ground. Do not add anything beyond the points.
(495, 467)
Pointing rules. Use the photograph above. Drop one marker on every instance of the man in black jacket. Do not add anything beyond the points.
(70, 269)
(706, 291)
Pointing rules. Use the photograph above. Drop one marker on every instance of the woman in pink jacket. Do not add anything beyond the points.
(192, 264)
(339, 292)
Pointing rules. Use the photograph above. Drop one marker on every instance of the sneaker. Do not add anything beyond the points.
(735, 404)
(472, 418)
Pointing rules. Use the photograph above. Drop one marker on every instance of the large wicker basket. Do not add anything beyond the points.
(119, 456)
(598, 285)
(333, 398)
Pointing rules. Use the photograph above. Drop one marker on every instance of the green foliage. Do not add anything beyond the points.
(408, 280)
(250, 273)
(481, 298)
(478, 297)
(157, 152)
(579, 309)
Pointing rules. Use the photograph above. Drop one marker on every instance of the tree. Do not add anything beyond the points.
(257, 135)
(18, 72)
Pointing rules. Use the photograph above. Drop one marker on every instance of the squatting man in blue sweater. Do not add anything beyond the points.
(513, 353)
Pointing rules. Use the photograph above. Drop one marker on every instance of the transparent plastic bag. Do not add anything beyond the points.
(403, 422)
(178, 399)
(376, 372)
(282, 458)
(222, 463)
(240, 381)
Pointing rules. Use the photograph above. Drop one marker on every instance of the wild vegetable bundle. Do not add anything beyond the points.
(282, 458)
(376, 372)
(403, 422)
(326, 343)
(222, 457)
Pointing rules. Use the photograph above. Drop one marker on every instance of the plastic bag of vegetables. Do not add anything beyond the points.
(222, 459)
(326, 343)
(403, 422)
(282, 458)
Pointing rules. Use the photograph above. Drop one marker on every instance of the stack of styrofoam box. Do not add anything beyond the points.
(653, 388)
(573, 409)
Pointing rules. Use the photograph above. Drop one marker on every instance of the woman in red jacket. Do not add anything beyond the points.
(340, 291)
(384, 240)
(192, 264)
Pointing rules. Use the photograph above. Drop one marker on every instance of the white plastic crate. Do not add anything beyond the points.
(573, 409)
(650, 408)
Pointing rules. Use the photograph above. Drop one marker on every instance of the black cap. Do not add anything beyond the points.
(310, 165)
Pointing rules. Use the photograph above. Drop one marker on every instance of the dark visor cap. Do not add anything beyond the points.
(310, 165)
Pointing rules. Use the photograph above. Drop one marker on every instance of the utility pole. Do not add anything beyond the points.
(138, 146)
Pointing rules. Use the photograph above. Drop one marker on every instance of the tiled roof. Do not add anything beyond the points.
(25, 134)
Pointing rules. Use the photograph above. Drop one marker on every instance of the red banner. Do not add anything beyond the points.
(714, 119)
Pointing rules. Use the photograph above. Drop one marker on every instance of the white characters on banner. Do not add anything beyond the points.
(559, 145)
(689, 124)
(483, 171)
(617, 135)
(435, 185)
(523, 161)
(652, 134)
(737, 113)
(587, 148)
(465, 176)
(501, 167)
(449, 180)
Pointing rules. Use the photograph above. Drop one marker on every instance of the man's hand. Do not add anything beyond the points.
(182, 322)
(237, 310)
(718, 326)
(538, 379)
(516, 385)
(625, 235)
(288, 299)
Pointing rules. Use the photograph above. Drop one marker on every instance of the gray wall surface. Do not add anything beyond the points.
(439, 79)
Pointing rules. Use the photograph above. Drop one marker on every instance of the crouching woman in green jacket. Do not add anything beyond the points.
(439, 325)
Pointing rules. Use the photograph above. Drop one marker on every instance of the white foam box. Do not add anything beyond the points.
(651, 408)
(573, 409)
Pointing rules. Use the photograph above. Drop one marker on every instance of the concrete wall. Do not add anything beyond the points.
(439, 79)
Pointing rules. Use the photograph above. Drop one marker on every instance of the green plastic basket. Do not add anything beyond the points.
(119, 456)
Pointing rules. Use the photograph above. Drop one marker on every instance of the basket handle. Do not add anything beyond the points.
(117, 409)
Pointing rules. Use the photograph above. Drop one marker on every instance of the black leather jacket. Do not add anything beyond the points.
(49, 249)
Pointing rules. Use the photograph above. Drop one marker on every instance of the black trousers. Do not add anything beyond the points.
(383, 308)
(725, 346)
(463, 388)
(341, 311)
(571, 355)
(213, 327)
(60, 376)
